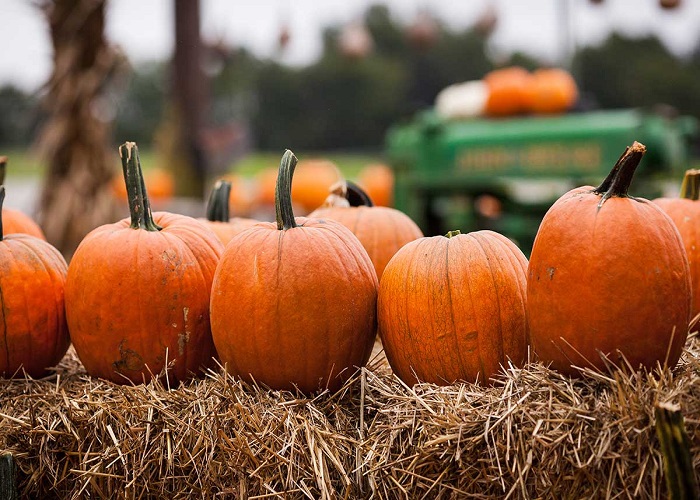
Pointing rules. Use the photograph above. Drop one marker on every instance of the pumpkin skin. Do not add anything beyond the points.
(685, 214)
(608, 274)
(507, 91)
(551, 91)
(33, 330)
(381, 230)
(453, 308)
(218, 219)
(137, 297)
(294, 302)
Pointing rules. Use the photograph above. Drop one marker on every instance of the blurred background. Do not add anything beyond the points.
(213, 88)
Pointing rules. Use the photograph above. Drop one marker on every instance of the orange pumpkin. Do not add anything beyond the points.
(608, 276)
(381, 230)
(160, 182)
(453, 308)
(294, 301)
(551, 90)
(266, 180)
(312, 181)
(377, 180)
(218, 219)
(33, 327)
(685, 214)
(15, 221)
(243, 193)
(137, 291)
(507, 91)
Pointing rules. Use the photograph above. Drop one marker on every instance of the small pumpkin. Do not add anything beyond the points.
(33, 329)
(218, 218)
(377, 180)
(312, 180)
(507, 91)
(685, 214)
(16, 221)
(608, 277)
(550, 91)
(381, 230)
(453, 308)
(137, 291)
(294, 301)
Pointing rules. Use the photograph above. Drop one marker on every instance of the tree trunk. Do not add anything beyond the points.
(76, 195)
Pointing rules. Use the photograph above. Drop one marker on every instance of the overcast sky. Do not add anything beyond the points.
(143, 28)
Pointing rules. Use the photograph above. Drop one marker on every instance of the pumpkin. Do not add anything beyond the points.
(453, 308)
(381, 230)
(685, 214)
(507, 91)
(608, 277)
(218, 219)
(377, 180)
(34, 333)
(551, 90)
(137, 291)
(294, 301)
(312, 180)
(15, 221)
(266, 180)
(243, 193)
(161, 185)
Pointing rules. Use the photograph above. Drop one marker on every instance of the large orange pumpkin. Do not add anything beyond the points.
(608, 276)
(453, 308)
(15, 221)
(381, 230)
(551, 90)
(33, 329)
(137, 292)
(218, 218)
(507, 91)
(294, 301)
(685, 214)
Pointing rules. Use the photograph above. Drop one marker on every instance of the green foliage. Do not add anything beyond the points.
(18, 116)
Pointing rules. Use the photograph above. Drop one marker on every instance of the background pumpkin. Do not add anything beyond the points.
(377, 180)
(551, 90)
(33, 329)
(381, 230)
(453, 308)
(218, 218)
(685, 214)
(137, 291)
(507, 91)
(312, 180)
(607, 275)
(294, 302)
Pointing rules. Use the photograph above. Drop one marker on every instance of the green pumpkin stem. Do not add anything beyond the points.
(218, 204)
(283, 192)
(690, 189)
(452, 234)
(618, 181)
(2, 200)
(356, 196)
(139, 206)
(3, 168)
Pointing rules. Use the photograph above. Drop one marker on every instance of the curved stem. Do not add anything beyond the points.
(2, 200)
(3, 168)
(617, 183)
(218, 205)
(139, 206)
(690, 189)
(356, 196)
(283, 192)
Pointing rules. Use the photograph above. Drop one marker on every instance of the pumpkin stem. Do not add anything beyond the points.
(617, 183)
(690, 189)
(2, 200)
(283, 192)
(452, 234)
(357, 196)
(3, 168)
(218, 204)
(139, 206)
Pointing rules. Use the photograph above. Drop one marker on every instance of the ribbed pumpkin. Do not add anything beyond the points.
(33, 330)
(218, 219)
(453, 308)
(381, 230)
(15, 221)
(507, 91)
(137, 292)
(608, 275)
(294, 302)
(551, 90)
(685, 214)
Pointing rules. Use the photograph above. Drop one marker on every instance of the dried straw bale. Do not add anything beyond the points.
(533, 434)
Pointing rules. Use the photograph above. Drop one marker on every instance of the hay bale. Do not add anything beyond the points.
(532, 434)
